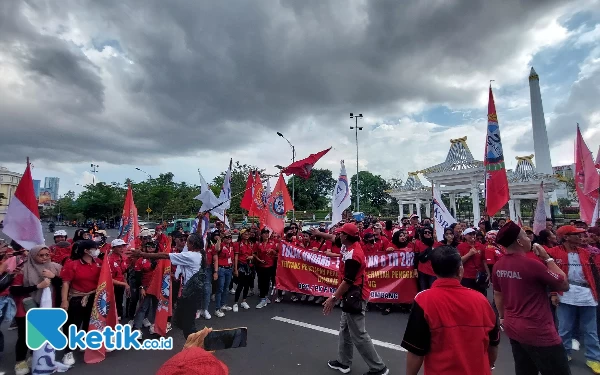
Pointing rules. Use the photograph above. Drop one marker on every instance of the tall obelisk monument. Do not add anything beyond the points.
(541, 147)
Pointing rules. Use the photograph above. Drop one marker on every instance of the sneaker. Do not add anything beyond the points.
(303, 298)
(594, 365)
(268, 300)
(311, 298)
(13, 325)
(206, 315)
(68, 359)
(262, 304)
(151, 330)
(575, 344)
(225, 308)
(21, 368)
(130, 323)
(140, 337)
(385, 371)
(245, 305)
(219, 314)
(232, 291)
(146, 323)
(338, 366)
(569, 358)
(235, 308)
(169, 327)
(278, 300)
(319, 300)
(198, 314)
(294, 299)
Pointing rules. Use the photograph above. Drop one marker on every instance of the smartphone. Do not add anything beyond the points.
(226, 339)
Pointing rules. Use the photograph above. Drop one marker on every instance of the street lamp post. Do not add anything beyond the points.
(94, 171)
(150, 178)
(356, 129)
(293, 179)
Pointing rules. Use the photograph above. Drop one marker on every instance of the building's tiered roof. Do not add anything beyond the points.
(459, 158)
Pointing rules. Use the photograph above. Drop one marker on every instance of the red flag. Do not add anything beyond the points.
(22, 221)
(302, 168)
(246, 203)
(586, 177)
(496, 182)
(258, 206)
(160, 287)
(130, 228)
(164, 243)
(104, 311)
(279, 203)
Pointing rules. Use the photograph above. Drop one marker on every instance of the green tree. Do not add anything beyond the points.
(564, 202)
(313, 193)
(101, 201)
(372, 191)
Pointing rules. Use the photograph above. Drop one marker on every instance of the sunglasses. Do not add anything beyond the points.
(427, 233)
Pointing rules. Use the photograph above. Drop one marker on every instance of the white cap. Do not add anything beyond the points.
(118, 242)
(468, 231)
(145, 233)
(60, 233)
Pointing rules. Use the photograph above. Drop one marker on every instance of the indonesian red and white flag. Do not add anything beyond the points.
(22, 222)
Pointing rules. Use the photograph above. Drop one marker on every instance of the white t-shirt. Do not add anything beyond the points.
(577, 295)
(188, 263)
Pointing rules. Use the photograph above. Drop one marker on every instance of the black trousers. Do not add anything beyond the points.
(78, 315)
(21, 349)
(425, 281)
(119, 294)
(545, 360)
(243, 286)
(185, 314)
(265, 274)
(472, 284)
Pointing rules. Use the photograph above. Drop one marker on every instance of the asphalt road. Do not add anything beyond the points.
(287, 338)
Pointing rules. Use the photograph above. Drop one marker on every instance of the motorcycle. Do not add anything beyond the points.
(51, 227)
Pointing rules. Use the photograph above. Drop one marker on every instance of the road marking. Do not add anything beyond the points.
(384, 344)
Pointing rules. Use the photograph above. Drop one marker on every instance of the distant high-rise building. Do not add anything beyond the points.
(36, 187)
(51, 184)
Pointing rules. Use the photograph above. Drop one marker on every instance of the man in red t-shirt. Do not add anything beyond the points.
(521, 295)
(443, 316)
(472, 253)
(352, 274)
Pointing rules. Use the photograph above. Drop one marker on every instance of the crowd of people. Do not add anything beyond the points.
(217, 278)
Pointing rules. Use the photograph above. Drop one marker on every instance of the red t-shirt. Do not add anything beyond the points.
(424, 267)
(82, 276)
(492, 254)
(145, 267)
(388, 233)
(225, 256)
(209, 256)
(524, 285)
(474, 263)
(356, 253)
(243, 250)
(261, 249)
(118, 266)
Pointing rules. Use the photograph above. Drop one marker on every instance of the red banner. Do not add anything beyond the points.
(391, 276)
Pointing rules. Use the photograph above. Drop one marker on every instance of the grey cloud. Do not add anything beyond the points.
(214, 76)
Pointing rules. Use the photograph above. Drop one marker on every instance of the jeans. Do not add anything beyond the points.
(148, 305)
(205, 299)
(353, 332)
(544, 360)
(225, 275)
(567, 317)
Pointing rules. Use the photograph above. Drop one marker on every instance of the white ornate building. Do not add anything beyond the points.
(8, 184)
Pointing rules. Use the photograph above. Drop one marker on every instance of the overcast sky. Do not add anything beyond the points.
(181, 85)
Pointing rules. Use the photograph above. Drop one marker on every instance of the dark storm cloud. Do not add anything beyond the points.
(203, 75)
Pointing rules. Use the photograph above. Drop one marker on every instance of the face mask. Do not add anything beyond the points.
(95, 253)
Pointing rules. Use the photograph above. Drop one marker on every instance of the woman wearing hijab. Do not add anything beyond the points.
(38, 273)
(80, 279)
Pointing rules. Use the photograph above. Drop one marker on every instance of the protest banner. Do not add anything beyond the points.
(390, 276)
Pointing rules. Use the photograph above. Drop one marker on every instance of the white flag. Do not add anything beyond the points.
(443, 218)
(341, 196)
(43, 359)
(539, 219)
(225, 195)
(210, 201)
